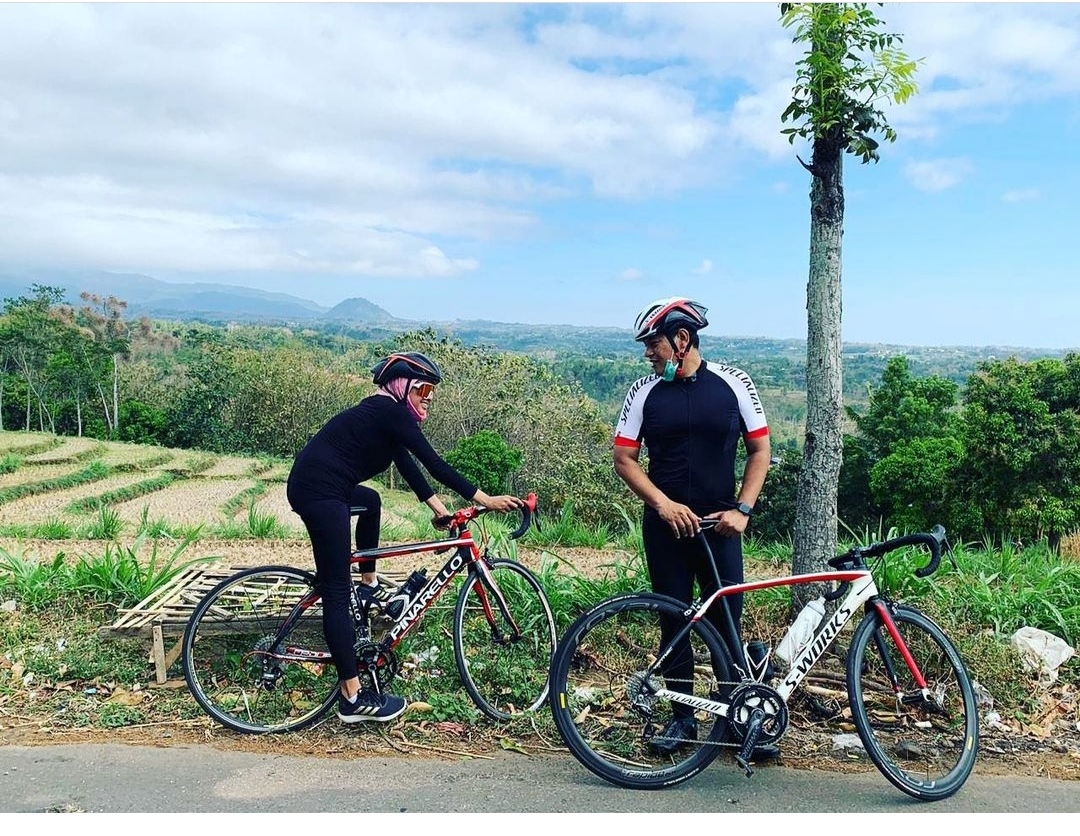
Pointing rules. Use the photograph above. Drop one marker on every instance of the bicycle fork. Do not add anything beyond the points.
(486, 590)
(922, 696)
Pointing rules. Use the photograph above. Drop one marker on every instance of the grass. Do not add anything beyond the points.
(61, 600)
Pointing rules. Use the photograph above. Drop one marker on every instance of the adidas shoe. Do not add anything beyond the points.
(370, 705)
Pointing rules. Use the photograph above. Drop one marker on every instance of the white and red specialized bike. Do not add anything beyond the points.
(908, 693)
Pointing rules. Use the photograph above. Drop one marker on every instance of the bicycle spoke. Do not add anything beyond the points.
(504, 658)
(243, 669)
(605, 697)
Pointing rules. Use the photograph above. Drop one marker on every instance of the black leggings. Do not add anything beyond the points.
(327, 523)
(674, 563)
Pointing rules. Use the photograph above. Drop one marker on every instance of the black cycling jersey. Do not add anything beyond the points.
(691, 428)
(359, 443)
(353, 446)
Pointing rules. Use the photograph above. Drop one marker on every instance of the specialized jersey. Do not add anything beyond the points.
(691, 428)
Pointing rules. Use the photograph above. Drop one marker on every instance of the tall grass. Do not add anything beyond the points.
(35, 583)
(123, 576)
(120, 575)
(568, 530)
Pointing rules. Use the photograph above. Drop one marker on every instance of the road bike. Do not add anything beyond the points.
(908, 693)
(255, 657)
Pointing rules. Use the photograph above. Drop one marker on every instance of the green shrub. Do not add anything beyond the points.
(487, 460)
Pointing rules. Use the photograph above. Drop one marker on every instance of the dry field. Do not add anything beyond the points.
(207, 490)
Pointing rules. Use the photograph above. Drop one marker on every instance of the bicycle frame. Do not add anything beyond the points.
(467, 555)
(863, 593)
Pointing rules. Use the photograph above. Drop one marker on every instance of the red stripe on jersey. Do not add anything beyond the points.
(758, 433)
(621, 441)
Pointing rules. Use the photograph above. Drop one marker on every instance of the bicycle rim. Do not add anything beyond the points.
(235, 660)
(504, 671)
(601, 698)
(926, 747)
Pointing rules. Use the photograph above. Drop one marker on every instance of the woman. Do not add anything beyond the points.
(352, 447)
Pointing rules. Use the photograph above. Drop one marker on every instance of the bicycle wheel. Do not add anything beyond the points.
(248, 667)
(505, 671)
(923, 742)
(603, 693)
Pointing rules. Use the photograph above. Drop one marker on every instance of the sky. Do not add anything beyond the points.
(544, 163)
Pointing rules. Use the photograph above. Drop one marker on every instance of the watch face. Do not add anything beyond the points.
(744, 508)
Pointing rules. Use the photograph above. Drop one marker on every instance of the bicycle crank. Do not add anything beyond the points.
(377, 666)
(745, 700)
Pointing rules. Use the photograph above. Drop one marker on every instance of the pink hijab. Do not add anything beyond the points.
(397, 389)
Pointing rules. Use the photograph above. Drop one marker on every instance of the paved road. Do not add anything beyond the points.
(113, 778)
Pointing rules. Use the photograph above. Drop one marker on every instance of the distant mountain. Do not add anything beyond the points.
(147, 296)
(357, 317)
(358, 309)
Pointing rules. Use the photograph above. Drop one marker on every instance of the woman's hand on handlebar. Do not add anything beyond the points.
(503, 502)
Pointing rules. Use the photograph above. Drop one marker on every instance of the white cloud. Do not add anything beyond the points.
(705, 268)
(1021, 195)
(393, 140)
(937, 175)
(631, 274)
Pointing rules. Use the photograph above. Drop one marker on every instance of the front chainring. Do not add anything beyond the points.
(377, 667)
(744, 699)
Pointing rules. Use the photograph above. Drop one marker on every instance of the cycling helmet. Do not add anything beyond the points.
(664, 316)
(411, 364)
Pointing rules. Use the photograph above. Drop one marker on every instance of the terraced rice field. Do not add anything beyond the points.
(206, 491)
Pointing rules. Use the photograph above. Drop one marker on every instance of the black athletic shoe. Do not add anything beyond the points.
(676, 734)
(370, 705)
(767, 752)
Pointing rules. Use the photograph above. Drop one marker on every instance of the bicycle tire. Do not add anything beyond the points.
(226, 666)
(504, 677)
(926, 749)
(598, 669)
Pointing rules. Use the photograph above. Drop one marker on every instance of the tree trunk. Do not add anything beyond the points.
(115, 396)
(815, 536)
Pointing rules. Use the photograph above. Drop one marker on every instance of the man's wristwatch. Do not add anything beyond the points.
(743, 508)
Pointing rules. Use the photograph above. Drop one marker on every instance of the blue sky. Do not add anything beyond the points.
(543, 163)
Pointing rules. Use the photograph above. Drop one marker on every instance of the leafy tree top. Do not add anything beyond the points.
(849, 67)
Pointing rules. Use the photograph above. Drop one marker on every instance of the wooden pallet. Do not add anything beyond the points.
(164, 614)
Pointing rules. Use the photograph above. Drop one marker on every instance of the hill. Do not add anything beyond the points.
(776, 362)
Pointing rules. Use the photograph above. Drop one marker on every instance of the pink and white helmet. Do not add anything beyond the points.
(665, 315)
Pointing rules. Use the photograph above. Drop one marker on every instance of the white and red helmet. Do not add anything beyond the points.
(664, 316)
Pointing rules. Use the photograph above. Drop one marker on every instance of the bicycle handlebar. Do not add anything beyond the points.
(933, 540)
(527, 510)
(457, 520)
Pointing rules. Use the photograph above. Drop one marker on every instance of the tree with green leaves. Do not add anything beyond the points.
(29, 333)
(1021, 472)
(850, 67)
(900, 468)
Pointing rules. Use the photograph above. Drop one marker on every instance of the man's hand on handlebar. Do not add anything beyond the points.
(683, 521)
(730, 523)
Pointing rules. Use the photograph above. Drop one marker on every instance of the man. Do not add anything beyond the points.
(690, 415)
